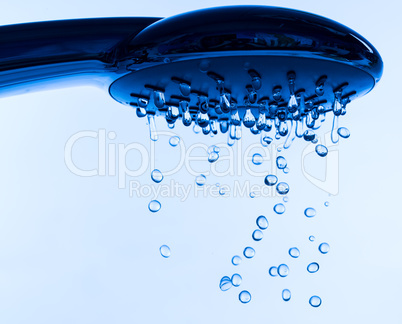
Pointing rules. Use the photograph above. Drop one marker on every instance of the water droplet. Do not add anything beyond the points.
(279, 208)
(257, 159)
(154, 206)
(315, 301)
(265, 140)
(244, 297)
(236, 280)
(308, 135)
(256, 82)
(213, 157)
(248, 119)
(281, 162)
(153, 133)
(174, 141)
(156, 176)
(283, 270)
(248, 252)
(294, 252)
(200, 180)
(326, 204)
(311, 238)
(257, 235)
(185, 89)
(236, 260)
(334, 131)
(222, 191)
(252, 194)
(196, 129)
(141, 112)
(270, 180)
(323, 248)
(225, 283)
(262, 222)
(313, 267)
(165, 251)
(321, 150)
(343, 132)
(286, 295)
(282, 188)
(309, 212)
(285, 199)
(273, 271)
(159, 99)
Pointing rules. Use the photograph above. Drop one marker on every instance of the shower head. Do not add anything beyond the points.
(259, 66)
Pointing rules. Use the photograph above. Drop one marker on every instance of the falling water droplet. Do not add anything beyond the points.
(282, 188)
(236, 280)
(286, 295)
(262, 222)
(326, 204)
(174, 141)
(236, 260)
(311, 238)
(323, 248)
(257, 235)
(164, 251)
(343, 132)
(156, 176)
(313, 267)
(200, 180)
(273, 271)
(249, 252)
(225, 283)
(315, 301)
(279, 208)
(283, 270)
(294, 252)
(321, 150)
(309, 212)
(270, 180)
(244, 297)
(281, 162)
(291, 136)
(257, 159)
(154, 206)
(308, 135)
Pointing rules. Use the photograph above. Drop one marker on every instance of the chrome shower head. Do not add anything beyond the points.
(263, 67)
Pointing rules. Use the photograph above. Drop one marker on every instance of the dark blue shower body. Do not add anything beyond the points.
(214, 66)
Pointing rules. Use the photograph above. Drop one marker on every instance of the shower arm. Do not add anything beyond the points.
(55, 54)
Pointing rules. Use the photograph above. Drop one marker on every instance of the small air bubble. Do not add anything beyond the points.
(283, 270)
(257, 235)
(236, 260)
(315, 301)
(273, 271)
(294, 252)
(286, 295)
(225, 283)
(200, 180)
(270, 180)
(323, 248)
(281, 162)
(257, 159)
(310, 212)
(321, 150)
(165, 251)
(174, 141)
(343, 132)
(311, 238)
(262, 222)
(282, 188)
(154, 206)
(313, 267)
(156, 176)
(244, 297)
(236, 280)
(249, 252)
(279, 208)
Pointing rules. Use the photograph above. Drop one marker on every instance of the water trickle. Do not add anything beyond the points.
(245, 297)
(257, 235)
(153, 133)
(236, 260)
(262, 222)
(343, 132)
(232, 131)
(236, 280)
(315, 301)
(334, 131)
(270, 180)
(311, 238)
(238, 132)
(164, 251)
(257, 159)
(291, 136)
(156, 176)
(281, 162)
(282, 188)
(323, 248)
(283, 270)
(321, 150)
(174, 141)
(248, 119)
(313, 267)
(286, 295)
(273, 271)
(309, 212)
(154, 206)
(249, 252)
(294, 252)
(300, 127)
(200, 180)
(279, 208)
(225, 283)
